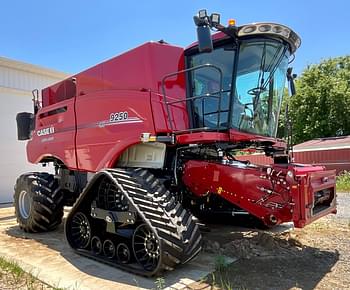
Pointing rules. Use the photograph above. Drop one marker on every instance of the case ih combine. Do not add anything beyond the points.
(145, 141)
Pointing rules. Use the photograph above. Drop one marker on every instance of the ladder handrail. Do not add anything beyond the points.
(166, 103)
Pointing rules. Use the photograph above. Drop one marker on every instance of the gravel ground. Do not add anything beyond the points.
(343, 206)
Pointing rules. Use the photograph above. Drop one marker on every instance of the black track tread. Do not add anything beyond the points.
(47, 202)
(157, 207)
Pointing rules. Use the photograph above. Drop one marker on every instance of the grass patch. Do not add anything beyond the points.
(11, 268)
(221, 278)
(160, 283)
(12, 276)
(220, 263)
(343, 181)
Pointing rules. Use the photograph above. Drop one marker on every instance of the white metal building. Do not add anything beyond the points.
(17, 80)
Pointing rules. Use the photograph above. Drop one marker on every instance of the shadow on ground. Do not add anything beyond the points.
(278, 273)
(268, 261)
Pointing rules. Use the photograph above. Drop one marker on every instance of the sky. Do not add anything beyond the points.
(71, 36)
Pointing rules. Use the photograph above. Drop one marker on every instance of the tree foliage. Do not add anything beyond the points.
(321, 107)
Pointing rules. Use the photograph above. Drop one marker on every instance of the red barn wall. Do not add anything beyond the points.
(338, 159)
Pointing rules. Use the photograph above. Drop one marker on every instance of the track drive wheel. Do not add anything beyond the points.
(38, 202)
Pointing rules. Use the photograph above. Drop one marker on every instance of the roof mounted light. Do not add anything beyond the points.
(249, 29)
(264, 28)
(215, 18)
(202, 13)
(231, 22)
(272, 29)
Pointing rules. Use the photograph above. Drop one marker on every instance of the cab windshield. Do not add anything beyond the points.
(249, 99)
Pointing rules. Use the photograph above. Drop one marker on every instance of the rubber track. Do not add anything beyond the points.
(179, 235)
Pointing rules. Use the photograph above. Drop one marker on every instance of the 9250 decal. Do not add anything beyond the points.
(118, 116)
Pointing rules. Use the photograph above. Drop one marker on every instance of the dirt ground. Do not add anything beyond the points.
(315, 257)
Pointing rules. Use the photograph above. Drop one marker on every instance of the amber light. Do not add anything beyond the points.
(232, 22)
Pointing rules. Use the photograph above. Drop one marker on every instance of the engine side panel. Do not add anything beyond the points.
(109, 118)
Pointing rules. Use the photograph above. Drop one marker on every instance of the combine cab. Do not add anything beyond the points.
(145, 141)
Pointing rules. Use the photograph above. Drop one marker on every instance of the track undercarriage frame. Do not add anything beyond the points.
(127, 219)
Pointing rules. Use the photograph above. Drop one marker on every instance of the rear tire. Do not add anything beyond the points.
(38, 202)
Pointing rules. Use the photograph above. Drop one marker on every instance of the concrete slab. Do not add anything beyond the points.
(48, 257)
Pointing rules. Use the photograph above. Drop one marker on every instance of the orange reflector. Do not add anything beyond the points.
(232, 22)
(152, 138)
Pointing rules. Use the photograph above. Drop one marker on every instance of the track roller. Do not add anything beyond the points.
(96, 245)
(123, 253)
(109, 249)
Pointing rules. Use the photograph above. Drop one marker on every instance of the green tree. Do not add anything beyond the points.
(321, 107)
(281, 130)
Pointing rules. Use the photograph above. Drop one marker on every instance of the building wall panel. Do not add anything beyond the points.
(16, 84)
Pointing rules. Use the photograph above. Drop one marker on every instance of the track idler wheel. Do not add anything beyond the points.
(109, 249)
(146, 247)
(123, 253)
(80, 231)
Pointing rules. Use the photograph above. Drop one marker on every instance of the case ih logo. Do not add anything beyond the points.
(45, 131)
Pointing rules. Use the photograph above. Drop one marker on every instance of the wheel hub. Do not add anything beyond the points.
(151, 245)
(84, 228)
(24, 204)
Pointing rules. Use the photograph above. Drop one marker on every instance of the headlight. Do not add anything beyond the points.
(264, 28)
(272, 29)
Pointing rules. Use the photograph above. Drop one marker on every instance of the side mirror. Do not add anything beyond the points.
(205, 43)
(25, 125)
(290, 78)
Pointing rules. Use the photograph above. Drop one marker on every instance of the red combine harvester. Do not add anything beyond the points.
(145, 141)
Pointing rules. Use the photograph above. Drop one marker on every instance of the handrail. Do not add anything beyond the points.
(192, 98)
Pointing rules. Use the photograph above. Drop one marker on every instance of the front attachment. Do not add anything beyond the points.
(274, 194)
